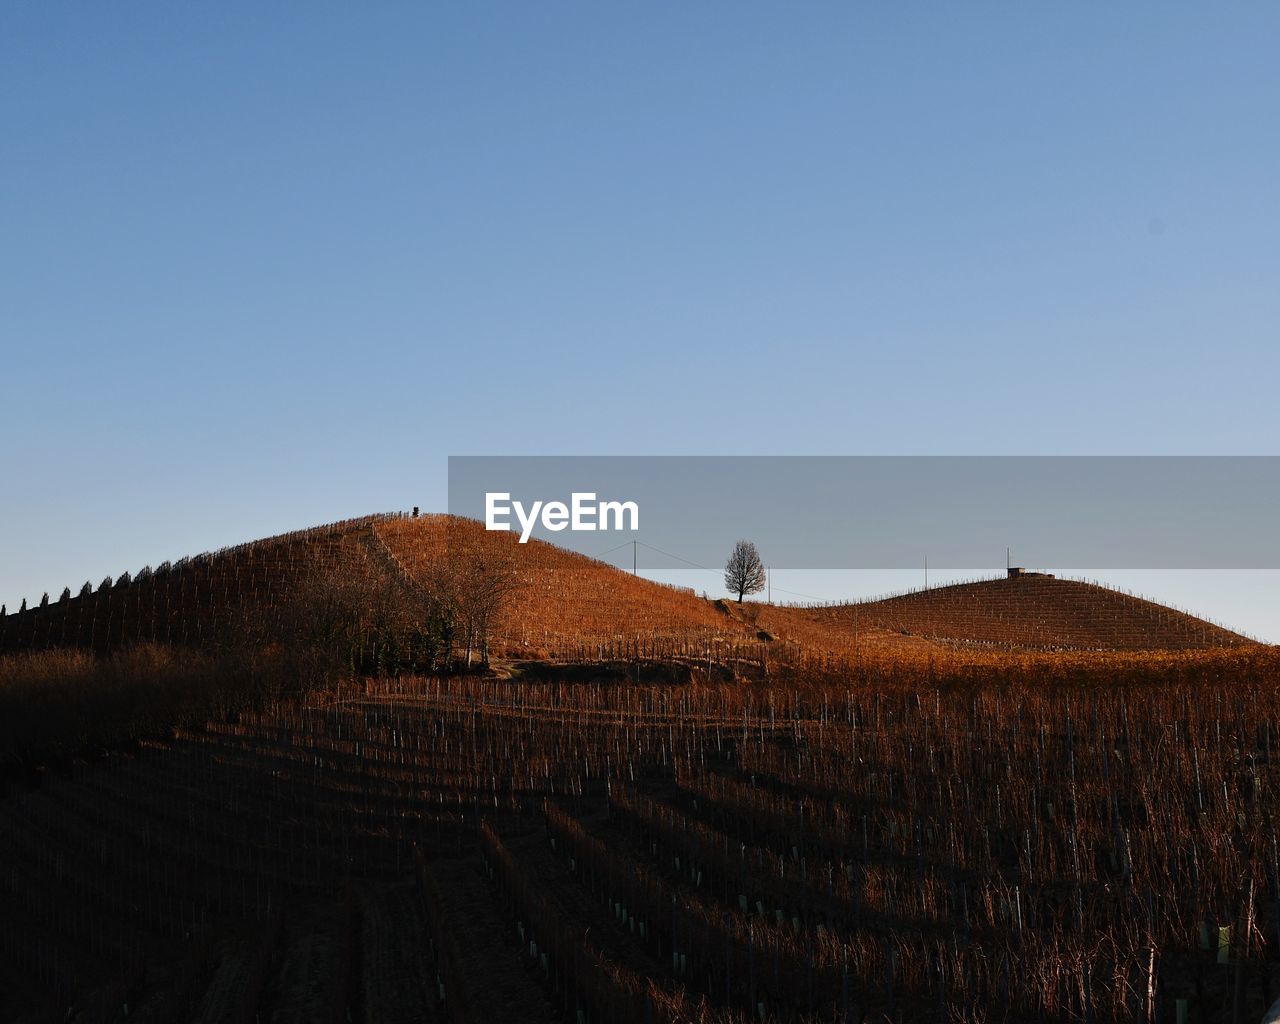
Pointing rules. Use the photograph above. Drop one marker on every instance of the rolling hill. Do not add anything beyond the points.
(1031, 614)
(569, 607)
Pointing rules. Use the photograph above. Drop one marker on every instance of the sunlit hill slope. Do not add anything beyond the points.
(570, 607)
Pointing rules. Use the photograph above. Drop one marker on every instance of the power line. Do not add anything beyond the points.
(696, 565)
(793, 593)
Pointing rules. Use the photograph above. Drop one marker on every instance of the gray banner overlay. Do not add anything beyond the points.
(893, 512)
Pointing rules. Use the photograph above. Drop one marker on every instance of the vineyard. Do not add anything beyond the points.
(1045, 613)
(399, 769)
(200, 599)
(570, 608)
(474, 850)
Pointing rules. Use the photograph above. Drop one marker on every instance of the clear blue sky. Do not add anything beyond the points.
(267, 265)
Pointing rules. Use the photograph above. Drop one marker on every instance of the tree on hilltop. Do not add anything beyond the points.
(744, 572)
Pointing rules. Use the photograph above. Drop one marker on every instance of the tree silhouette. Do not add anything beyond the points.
(744, 572)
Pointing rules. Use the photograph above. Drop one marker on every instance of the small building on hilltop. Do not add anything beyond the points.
(1017, 572)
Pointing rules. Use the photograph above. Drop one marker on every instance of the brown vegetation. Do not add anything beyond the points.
(1041, 613)
(392, 593)
(295, 813)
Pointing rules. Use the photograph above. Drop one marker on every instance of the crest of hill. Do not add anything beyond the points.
(1038, 613)
(567, 605)
(564, 604)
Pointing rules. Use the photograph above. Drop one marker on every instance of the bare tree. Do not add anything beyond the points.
(744, 572)
(481, 588)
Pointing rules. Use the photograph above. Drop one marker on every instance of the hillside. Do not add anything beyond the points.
(563, 600)
(1030, 614)
(569, 607)
(562, 604)
(1049, 613)
(203, 598)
